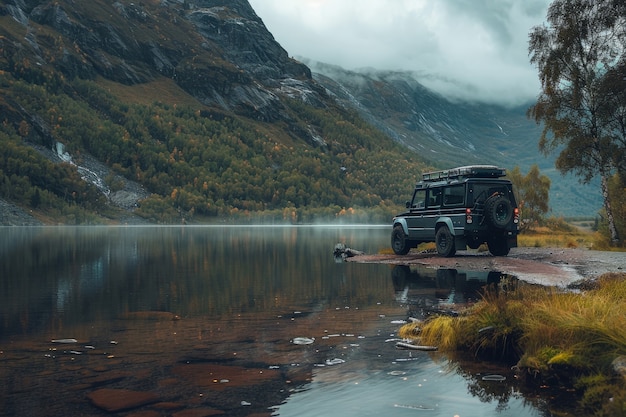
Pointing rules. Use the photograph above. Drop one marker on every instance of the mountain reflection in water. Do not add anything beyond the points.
(203, 320)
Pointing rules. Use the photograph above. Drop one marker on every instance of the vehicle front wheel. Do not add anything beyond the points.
(498, 245)
(399, 241)
(445, 242)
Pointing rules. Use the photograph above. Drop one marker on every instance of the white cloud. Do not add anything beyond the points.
(476, 49)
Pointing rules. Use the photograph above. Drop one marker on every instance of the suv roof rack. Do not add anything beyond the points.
(470, 171)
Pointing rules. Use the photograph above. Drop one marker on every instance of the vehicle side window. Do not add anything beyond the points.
(434, 197)
(419, 198)
(454, 196)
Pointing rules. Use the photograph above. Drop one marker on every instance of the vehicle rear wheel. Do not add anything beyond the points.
(399, 241)
(499, 210)
(445, 242)
(498, 245)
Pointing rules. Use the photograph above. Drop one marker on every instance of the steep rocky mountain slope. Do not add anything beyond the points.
(218, 51)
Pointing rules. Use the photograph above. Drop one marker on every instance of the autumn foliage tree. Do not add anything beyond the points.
(532, 194)
(580, 57)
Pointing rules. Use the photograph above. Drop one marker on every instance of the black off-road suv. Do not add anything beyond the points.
(457, 208)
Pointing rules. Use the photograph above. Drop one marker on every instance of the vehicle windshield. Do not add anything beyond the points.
(419, 199)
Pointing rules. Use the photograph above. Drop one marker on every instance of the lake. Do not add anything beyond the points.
(225, 320)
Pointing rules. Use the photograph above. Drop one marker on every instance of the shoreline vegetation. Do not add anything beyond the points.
(571, 339)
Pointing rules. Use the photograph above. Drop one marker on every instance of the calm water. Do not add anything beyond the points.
(237, 320)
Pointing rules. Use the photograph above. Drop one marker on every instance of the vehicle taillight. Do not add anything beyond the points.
(516, 215)
(468, 215)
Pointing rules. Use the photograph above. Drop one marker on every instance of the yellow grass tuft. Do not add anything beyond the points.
(541, 327)
(443, 332)
(410, 331)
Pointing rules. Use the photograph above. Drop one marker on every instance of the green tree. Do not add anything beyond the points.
(581, 43)
(532, 195)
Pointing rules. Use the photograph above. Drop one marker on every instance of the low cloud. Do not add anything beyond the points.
(464, 49)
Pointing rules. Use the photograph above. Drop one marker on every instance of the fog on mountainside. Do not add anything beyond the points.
(452, 133)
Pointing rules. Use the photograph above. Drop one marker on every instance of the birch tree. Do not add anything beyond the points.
(576, 53)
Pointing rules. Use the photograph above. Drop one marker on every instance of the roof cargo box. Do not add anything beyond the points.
(470, 171)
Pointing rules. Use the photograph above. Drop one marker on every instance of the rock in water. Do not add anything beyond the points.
(343, 252)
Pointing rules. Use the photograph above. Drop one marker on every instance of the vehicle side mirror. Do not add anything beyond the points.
(408, 204)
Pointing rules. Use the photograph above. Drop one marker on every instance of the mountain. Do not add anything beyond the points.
(217, 51)
(451, 133)
(178, 110)
(189, 110)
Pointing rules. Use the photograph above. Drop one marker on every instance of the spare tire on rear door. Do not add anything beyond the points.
(498, 210)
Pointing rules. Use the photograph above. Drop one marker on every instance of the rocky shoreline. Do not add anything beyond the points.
(545, 266)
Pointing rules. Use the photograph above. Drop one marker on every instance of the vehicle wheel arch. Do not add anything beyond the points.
(401, 222)
(445, 221)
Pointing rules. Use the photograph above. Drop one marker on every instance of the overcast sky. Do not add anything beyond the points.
(476, 49)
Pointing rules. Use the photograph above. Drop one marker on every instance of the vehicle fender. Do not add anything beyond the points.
(402, 222)
(447, 221)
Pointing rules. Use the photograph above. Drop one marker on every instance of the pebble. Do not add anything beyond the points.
(302, 341)
(65, 341)
(497, 378)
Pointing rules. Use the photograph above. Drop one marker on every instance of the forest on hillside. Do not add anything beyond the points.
(197, 163)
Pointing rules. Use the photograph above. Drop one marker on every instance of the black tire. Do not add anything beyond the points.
(498, 245)
(399, 242)
(445, 242)
(498, 210)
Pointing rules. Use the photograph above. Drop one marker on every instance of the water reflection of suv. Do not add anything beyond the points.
(459, 208)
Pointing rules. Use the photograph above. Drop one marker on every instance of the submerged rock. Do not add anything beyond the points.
(115, 400)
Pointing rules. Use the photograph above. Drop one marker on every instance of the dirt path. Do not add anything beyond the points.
(546, 266)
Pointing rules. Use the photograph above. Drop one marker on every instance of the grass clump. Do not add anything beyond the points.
(561, 237)
(549, 334)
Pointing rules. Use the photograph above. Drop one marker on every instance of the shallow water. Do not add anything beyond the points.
(208, 318)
